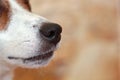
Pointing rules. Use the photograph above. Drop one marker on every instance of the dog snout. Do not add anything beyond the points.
(51, 32)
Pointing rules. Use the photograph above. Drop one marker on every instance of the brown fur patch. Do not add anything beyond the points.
(25, 4)
(4, 13)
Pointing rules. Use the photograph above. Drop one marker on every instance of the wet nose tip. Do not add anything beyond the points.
(51, 32)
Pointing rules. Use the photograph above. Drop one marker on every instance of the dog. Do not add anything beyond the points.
(26, 39)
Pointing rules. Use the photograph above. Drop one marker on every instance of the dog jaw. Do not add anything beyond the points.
(21, 39)
(20, 42)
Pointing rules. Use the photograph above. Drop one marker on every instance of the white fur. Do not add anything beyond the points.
(20, 39)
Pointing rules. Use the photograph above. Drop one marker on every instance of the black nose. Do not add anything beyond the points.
(51, 32)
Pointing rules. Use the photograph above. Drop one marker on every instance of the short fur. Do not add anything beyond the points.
(19, 37)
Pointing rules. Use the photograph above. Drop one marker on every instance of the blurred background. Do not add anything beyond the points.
(88, 49)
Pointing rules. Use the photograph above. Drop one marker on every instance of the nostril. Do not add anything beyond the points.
(51, 34)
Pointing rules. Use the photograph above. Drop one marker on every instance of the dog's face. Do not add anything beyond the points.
(26, 39)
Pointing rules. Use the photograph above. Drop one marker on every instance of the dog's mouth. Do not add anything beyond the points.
(34, 58)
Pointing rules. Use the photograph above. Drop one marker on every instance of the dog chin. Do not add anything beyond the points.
(35, 64)
(31, 62)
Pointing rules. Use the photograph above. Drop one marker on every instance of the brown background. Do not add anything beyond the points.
(88, 49)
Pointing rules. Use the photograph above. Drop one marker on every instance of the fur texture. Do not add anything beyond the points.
(20, 40)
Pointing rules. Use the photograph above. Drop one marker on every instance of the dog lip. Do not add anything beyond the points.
(39, 57)
(34, 58)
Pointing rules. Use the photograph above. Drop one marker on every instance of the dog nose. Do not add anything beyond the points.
(51, 32)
